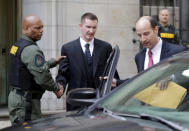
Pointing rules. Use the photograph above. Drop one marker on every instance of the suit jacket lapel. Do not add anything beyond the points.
(80, 57)
(142, 60)
(96, 55)
(164, 51)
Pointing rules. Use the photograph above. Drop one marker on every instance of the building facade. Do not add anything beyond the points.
(61, 20)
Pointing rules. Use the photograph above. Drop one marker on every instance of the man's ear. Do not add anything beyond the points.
(80, 25)
(26, 30)
(156, 29)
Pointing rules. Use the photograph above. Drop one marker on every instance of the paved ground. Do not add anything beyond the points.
(4, 118)
(4, 122)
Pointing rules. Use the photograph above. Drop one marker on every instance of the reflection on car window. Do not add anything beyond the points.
(168, 103)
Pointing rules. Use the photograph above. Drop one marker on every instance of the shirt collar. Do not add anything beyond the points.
(27, 38)
(83, 42)
(157, 47)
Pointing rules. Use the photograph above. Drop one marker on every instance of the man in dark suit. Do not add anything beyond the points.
(85, 58)
(147, 30)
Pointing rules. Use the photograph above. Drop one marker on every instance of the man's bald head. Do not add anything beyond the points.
(29, 20)
(147, 30)
(153, 23)
(32, 26)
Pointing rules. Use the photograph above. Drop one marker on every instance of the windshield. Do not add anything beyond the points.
(142, 95)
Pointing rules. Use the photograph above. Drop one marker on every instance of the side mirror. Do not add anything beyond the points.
(82, 96)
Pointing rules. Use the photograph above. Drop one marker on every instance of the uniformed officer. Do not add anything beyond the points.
(29, 73)
(166, 31)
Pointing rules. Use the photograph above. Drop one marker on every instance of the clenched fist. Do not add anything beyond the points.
(60, 92)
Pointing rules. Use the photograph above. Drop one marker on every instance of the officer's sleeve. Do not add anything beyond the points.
(51, 63)
(176, 37)
(35, 62)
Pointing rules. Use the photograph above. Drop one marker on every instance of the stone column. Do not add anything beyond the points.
(184, 22)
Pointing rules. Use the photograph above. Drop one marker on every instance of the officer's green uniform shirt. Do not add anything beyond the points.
(32, 56)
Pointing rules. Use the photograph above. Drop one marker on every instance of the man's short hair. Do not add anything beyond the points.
(88, 15)
(163, 9)
(153, 22)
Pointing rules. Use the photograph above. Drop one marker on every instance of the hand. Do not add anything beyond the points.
(163, 84)
(59, 58)
(114, 81)
(60, 92)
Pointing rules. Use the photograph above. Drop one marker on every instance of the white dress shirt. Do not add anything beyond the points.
(156, 53)
(91, 45)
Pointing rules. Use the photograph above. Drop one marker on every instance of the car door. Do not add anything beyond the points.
(87, 96)
(110, 68)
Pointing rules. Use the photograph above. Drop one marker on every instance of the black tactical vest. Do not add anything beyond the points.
(168, 34)
(19, 75)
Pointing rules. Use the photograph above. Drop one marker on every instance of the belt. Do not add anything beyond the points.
(19, 92)
(25, 93)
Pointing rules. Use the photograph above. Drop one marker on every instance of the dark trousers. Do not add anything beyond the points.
(72, 107)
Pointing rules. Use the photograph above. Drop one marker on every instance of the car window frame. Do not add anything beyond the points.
(183, 57)
(109, 71)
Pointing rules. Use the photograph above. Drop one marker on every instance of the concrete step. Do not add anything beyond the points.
(4, 112)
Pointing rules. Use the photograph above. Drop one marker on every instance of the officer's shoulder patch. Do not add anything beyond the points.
(13, 49)
(39, 60)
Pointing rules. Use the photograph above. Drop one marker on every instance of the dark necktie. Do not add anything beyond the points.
(150, 63)
(89, 66)
(88, 54)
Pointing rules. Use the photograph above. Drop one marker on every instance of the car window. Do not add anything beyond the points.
(110, 68)
(168, 103)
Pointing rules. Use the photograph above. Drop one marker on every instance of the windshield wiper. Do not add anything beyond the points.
(168, 123)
